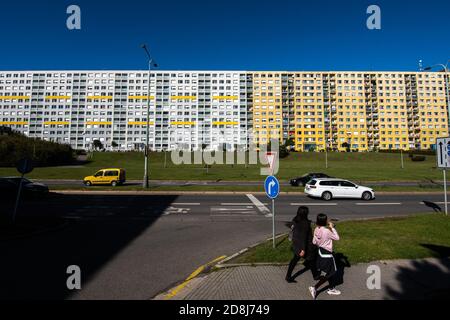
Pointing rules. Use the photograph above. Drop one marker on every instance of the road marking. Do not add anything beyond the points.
(239, 204)
(241, 212)
(234, 215)
(379, 204)
(165, 211)
(186, 204)
(261, 207)
(433, 202)
(314, 204)
(231, 209)
(199, 270)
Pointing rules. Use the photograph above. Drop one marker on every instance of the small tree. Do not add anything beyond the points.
(290, 144)
(114, 144)
(97, 145)
(284, 151)
(346, 146)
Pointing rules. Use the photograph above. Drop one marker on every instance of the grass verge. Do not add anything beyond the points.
(353, 166)
(414, 237)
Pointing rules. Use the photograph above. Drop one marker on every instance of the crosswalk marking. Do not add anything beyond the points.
(243, 211)
(261, 207)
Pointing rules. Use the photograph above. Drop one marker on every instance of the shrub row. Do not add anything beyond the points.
(14, 147)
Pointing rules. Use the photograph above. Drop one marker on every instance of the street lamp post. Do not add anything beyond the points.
(147, 138)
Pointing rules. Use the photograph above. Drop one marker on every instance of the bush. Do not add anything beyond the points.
(410, 152)
(418, 158)
(15, 146)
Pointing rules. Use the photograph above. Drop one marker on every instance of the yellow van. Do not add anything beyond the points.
(113, 177)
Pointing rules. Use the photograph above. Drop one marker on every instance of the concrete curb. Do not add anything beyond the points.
(223, 263)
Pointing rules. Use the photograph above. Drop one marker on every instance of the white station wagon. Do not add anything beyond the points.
(328, 189)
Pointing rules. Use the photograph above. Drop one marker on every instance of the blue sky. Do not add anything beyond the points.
(224, 34)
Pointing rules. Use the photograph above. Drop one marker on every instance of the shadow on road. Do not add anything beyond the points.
(99, 227)
(424, 279)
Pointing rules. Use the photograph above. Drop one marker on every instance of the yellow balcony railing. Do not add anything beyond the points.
(57, 98)
(98, 123)
(57, 123)
(13, 123)
(14, 97)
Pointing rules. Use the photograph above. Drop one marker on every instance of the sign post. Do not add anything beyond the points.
(272, 188)
(443, 162)
(24, 166)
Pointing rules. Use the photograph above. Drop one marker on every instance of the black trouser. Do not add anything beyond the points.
(309, 264)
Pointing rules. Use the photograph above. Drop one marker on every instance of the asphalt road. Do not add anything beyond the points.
(79, 183)
(135, 246)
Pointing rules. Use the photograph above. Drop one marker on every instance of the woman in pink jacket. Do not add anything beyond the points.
(324, 235)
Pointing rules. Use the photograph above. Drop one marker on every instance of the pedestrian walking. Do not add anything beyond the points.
(324, 235)
(302, 244)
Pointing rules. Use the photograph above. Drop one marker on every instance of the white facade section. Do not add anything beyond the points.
(188, 109)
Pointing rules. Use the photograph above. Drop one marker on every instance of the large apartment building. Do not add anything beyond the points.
(362, 111)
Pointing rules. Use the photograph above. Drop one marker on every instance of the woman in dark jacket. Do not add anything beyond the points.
(302, 244)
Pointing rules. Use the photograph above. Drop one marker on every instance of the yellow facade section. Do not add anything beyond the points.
(267, 107)
(432, 108)
(308, 110)
(360, 111)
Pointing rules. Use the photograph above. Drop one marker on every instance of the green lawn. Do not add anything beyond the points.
(354, 166)
(371, 240)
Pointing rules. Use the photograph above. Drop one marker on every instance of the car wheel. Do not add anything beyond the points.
(327, 196)
(88, 183)
(114, 183)
(367, 196)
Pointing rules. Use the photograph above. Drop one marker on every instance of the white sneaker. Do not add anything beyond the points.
(312, 290)
(333, 292)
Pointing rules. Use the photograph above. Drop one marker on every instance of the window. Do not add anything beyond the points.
(347, 184)
(111, 174)
(99, 174)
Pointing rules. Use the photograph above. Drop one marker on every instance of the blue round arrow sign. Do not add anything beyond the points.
(272, 187)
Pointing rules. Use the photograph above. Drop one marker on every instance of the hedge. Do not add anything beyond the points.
(15, 146)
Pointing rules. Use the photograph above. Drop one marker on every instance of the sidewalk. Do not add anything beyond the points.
(400, 279)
